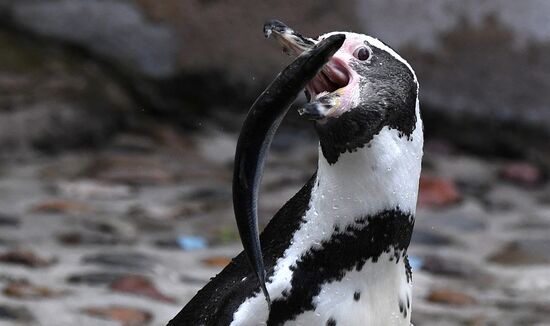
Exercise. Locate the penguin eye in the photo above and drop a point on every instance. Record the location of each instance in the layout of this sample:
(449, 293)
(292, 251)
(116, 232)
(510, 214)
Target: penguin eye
(362, 53)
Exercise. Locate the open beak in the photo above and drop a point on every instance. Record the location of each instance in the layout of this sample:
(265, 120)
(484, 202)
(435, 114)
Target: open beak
(326, 91)
(259, 128)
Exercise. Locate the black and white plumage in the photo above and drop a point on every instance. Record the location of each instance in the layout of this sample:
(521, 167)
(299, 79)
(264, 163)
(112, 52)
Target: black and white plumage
(335, 254)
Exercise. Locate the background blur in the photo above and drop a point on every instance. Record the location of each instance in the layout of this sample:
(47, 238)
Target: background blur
(119, 118)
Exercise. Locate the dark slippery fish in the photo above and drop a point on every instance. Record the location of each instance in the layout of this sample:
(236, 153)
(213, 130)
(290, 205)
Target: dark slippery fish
(255, 138)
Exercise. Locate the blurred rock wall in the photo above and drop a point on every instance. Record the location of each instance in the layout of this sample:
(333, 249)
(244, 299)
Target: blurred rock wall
(118, 30)
(51, 99)
(480, 61)
(477, 61)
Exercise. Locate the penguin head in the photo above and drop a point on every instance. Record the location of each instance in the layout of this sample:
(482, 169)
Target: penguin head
(365, 87)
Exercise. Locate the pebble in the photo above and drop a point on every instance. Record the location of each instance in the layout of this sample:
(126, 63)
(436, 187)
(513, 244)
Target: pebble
(25, 258)
(123, 230)
(194, 280)
(437, 192)
(60, 206)
(127, 316)
(533, 223)
(216, 261)
(95, 278)
(139, 285)
(9, 221)
(187, 243)
(90, 189)
(210, 194)
(471, 173)
(508, 197)
(17, 314)
(137, 171)
(447, 266)
(521, 173)
(145, 220)
(218, 148)
(459, 220)
(424, 237)
(523, 252)
(450, 297)
(87, 238)
(134, 143)
(129, 260)
(26, 290)
(191, 242)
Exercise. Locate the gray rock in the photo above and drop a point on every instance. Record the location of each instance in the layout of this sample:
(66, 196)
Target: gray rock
(472, 174)
(90, 189)
(75, 125)
(424, 237)
(15, 314)
(131, 170)
(465, 52)
(133, 143)
(467, 217)
(73, 238)
(531, 223)
(8, 221)
(114, 29)
(523, 252)
(427, 24)
(95, 278)
(125, 260)
(504, 197)
(450, 267)
(53, 99)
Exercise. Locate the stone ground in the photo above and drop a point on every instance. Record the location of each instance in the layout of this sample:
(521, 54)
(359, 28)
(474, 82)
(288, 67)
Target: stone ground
(127, 234)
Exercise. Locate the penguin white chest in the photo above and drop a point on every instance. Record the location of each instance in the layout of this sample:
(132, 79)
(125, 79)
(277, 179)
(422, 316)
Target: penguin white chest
(379, 294)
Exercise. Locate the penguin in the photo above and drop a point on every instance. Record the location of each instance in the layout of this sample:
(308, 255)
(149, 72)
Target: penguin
(336, 252)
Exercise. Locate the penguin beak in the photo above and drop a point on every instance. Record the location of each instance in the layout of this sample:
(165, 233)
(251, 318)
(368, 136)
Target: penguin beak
(326, 92)
(258, 130)
(291, 41)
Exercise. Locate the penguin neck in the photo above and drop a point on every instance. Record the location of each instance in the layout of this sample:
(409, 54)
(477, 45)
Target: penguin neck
(380, 176)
